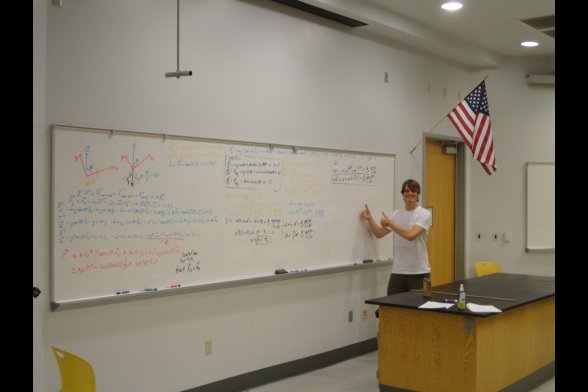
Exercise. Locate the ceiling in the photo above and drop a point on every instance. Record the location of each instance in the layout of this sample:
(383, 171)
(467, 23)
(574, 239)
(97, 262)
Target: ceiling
(477, 36)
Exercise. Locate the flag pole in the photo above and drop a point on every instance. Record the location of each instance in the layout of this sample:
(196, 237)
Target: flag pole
(426, 133)
(439, 122)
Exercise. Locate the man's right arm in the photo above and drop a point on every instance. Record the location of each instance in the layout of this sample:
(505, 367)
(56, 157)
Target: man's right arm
(379, 231)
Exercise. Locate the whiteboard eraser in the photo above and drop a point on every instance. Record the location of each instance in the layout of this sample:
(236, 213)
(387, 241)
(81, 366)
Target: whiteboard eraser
(368, 261)
(281, 271)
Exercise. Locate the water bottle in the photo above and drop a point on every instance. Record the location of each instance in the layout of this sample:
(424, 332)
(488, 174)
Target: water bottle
(461, 298)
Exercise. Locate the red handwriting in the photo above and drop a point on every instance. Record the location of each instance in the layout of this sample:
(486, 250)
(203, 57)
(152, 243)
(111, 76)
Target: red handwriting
(117, 258)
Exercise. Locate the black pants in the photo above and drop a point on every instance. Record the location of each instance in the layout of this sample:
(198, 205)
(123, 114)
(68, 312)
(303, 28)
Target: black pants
(399, 283)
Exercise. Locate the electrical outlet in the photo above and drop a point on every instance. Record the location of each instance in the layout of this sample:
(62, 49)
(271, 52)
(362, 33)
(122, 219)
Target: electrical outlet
(364, 314)
(208, 347)
(350, 316)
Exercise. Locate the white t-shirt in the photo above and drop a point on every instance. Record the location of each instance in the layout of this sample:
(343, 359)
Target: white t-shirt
(411, 257)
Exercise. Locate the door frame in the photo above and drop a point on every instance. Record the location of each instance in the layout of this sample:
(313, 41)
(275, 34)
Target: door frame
(460, 159)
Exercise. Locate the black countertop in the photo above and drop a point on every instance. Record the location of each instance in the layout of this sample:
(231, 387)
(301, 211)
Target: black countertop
(504, 291)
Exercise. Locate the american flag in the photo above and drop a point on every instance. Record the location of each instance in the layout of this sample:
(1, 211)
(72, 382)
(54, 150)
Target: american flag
(471, 118)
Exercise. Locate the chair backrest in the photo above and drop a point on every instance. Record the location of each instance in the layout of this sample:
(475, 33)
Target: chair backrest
(77, 375)
(487, 267)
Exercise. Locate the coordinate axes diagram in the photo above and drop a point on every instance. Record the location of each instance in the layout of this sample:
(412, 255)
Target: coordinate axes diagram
(91, 172)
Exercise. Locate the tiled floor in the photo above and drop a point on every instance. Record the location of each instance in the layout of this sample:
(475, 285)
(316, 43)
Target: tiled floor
(354, 375)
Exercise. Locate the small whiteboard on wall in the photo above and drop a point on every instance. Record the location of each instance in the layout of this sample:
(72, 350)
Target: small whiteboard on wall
(540, 207)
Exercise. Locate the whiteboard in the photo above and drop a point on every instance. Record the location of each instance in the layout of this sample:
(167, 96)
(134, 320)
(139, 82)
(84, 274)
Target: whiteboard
(136, 211)
(540, 207)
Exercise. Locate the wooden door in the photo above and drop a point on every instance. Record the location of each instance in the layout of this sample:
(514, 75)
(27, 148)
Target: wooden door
(439, 184)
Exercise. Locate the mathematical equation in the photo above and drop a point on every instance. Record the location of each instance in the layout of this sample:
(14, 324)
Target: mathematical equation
(265, 231)
(353, 174)
(253, 172)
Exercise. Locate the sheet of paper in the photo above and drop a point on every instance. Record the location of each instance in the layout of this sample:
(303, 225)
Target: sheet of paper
(436, 305)
(482, 308)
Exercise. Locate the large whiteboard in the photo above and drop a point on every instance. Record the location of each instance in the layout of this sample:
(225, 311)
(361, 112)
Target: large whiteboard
(540, 207)
(133, 211)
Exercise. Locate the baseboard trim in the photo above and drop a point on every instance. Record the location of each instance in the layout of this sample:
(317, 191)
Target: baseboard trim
(288, 369)
(525, 384)
(533, 380)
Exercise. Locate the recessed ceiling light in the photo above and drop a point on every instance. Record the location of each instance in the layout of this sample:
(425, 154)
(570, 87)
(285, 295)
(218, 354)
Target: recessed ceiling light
(451, 6)
(529, 44)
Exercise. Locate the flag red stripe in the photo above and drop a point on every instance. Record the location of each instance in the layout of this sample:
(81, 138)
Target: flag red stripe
(462, 118)
(480, 143)
(462, 132)
(485, 167)
(487, 148)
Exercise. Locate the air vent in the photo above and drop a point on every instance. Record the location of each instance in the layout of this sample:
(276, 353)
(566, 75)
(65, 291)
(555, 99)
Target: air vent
(545, 24)
(311, 9)
(541, 78)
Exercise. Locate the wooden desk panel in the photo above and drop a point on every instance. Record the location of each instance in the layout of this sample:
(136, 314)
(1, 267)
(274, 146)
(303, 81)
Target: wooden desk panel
(514, 344)
(424, 350)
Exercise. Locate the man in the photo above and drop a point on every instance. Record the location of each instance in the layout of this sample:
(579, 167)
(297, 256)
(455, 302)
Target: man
(411, 229)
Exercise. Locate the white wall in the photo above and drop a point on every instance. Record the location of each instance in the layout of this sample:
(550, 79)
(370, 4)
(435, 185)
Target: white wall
(261, 73)
(523, 126)
(523, 123)
(41, 147)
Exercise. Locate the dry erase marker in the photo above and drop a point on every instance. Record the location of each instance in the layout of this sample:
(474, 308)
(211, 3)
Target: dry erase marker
(119, 292)
(150, 289)
(173, 286)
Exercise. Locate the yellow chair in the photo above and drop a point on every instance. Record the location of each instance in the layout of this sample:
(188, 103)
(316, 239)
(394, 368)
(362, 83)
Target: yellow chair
(487, 267)
(77, 374)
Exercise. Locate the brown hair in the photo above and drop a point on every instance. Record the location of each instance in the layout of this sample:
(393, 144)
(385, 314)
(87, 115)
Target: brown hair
(411, 184)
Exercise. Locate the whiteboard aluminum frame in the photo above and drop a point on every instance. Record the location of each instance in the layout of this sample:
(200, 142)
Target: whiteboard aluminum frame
(140, 295)
(168, 136)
